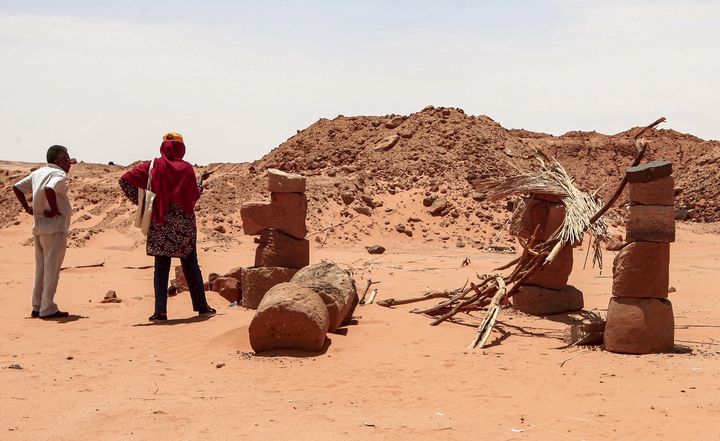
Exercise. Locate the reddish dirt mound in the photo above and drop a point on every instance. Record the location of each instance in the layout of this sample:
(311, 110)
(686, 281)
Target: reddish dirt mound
(405, 176)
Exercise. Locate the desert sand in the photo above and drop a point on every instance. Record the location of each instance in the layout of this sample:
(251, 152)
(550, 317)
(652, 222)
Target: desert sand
(107, 373)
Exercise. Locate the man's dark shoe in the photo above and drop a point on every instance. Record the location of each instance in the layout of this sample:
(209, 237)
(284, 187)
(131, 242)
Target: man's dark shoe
(58, 314)
(158, 317)
(35, 314)
(209, 312)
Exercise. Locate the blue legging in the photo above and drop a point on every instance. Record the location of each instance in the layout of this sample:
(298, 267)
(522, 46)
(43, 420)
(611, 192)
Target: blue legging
(191, 269)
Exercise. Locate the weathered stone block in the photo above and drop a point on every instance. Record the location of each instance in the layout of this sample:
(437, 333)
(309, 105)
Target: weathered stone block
(547, 214)
(639, 326)
(542, 301)
(257, 281)
(642, 269)
(285, 212)
(650, 223)
(290, 316)
(658, 192)
(227, 287)
(556, 274)
(335, 286)
(180, 282)
(235, 273)
(279, 249)
(547, 197)
(585, 333)
(649, 171)
(282, 182)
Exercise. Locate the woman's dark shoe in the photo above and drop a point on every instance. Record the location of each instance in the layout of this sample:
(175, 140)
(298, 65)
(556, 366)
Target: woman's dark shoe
(158, 317)
(209, 312)
(58, 314)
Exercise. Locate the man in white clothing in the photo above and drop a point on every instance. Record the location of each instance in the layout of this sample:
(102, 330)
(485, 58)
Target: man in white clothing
(52, 210)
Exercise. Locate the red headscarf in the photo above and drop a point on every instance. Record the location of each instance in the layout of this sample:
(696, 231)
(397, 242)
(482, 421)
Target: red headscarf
(173, 180)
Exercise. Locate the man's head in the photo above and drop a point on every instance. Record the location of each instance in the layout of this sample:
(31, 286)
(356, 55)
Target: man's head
(59, 156)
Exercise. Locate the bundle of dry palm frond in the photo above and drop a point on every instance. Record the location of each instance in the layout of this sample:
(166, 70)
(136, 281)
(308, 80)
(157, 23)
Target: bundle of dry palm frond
(550, 178)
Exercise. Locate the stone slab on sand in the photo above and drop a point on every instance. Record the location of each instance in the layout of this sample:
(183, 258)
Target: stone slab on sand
(542, 301)
(227, 287)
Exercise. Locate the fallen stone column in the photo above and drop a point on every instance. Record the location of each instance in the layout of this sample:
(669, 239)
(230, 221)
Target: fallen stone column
(335, 286)
(290, 316)
(256, 282)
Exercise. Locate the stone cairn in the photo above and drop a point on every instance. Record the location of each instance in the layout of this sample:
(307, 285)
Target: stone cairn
(640, 317)
(297, 304)
(546, 291)
(282, 248)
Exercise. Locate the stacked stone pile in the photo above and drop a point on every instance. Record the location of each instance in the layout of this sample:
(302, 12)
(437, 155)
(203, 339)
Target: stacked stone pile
(546, 291)
(640, 317)
(298, 314)
(282, 248)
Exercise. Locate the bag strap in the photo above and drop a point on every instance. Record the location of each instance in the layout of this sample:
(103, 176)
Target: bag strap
(149, 182)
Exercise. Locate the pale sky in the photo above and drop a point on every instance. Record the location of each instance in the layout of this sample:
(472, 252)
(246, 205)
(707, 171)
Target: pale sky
(237, 78)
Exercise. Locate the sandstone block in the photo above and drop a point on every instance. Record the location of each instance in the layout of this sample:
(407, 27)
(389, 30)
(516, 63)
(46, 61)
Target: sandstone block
(235, 273)
(386, 143)
(289, 317)
(335, 286)
(227, 287)
(285, 212)
(542, 301)
(658, 192)
(639, 326)
(438, 206)
(180, 282)
(279, 249)
(555, 275)
(584, 333)
(547, 197)
(548, 215)
(642, 269)
(282, 182)
(651, 223)
(649, 171)
(257, 281)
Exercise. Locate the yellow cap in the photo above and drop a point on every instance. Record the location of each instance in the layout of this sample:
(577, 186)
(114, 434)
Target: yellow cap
(172, 136)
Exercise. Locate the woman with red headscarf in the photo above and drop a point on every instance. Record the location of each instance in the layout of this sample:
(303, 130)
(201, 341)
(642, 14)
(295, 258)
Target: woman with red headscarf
(173, 232)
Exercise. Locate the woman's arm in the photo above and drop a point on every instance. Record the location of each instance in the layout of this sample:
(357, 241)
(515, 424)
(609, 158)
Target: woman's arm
(131, 191)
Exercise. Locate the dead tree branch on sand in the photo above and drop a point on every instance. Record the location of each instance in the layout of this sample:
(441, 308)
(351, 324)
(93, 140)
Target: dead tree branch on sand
(494, 290)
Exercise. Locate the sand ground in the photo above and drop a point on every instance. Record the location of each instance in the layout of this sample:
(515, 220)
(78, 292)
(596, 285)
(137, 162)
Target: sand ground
(108, 374)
